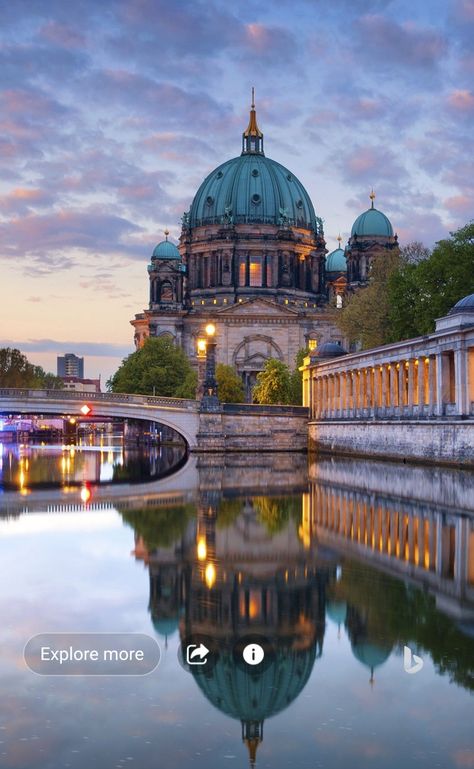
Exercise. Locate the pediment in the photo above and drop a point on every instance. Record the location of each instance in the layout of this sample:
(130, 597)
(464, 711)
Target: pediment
(262, 307)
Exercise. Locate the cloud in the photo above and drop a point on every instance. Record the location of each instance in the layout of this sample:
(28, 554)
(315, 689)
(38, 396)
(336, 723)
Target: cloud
(48, 235)
(406, 45)
(461, 101)
(370, 166)
(22, 200)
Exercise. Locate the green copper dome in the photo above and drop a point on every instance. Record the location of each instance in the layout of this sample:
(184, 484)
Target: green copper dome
(372, 223)
(166, 250)
(336, 261)
(254, 697)
(252, 189)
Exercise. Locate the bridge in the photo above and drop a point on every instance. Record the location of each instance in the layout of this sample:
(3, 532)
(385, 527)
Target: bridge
(232, 427)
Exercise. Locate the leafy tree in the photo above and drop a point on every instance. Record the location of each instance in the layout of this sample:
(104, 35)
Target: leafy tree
(426, 291)
(365, 320)
(273, 383)
(229, 384)
(296, 378)
(158, 367)
(17, 371)
(159, 526)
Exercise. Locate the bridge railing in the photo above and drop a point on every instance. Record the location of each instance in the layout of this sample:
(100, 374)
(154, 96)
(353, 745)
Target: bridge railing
(88, 397)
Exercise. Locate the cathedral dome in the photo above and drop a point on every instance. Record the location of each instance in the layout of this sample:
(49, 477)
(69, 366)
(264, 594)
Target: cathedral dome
(372, 223)
(166, 250)
(336, 261)
(254, 697)
(252, 188)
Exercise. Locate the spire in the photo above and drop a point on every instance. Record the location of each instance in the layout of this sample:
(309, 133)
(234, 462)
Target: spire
(372, 197)
(252, 735)
(166, 233)
(339, 239)
(252, 137)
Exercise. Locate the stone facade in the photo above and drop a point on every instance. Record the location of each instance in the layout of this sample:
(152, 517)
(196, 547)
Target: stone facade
(252, 259)
(403, 399)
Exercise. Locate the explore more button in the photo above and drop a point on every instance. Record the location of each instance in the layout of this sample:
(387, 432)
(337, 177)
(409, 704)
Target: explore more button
(92, 654)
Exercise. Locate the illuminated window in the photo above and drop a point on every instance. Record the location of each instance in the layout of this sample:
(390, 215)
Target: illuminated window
(255, 272)
(312, 344)
(338, 301)
(242, 272)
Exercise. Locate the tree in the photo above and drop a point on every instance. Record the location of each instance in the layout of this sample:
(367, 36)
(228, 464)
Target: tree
(273, 383)
(425, 291)
(229, 384)
(414, 252)
(17, 371)
(296, 378)
(365, 319)
(158, 367)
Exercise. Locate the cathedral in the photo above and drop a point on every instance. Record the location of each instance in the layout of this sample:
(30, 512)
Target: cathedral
(252, 260)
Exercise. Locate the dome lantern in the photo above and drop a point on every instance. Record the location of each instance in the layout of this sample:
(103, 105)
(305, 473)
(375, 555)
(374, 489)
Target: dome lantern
(252, 137)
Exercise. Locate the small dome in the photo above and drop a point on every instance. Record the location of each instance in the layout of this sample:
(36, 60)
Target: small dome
(372, 223)
(165, 626)
(371, 654)
(166, 250)
(330, 350)
(337, 611)
(336, 261)
(464, 305)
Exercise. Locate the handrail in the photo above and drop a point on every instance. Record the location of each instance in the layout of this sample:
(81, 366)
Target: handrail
(86, 397)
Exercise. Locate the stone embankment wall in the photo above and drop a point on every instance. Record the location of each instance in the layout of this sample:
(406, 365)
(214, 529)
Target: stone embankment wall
(254, 428)
(440, 441)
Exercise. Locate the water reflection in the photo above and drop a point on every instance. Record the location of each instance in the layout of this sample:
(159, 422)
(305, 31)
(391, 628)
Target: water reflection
(279, 567)
(338, 568)
(97, 461)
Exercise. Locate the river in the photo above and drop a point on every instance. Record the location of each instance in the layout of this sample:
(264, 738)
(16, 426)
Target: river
(334, 567)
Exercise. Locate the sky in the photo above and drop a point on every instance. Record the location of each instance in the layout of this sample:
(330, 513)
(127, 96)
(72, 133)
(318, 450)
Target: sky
(113, 112)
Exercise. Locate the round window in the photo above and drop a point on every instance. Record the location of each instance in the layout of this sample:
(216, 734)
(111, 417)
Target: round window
(256, 199)
(209, 200)
(254, 172)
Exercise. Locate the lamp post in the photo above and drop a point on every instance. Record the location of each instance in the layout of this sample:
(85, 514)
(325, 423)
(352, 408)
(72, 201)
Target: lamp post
(210, 400)
(201, 361)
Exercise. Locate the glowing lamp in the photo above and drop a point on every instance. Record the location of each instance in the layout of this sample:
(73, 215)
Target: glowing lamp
(85, 409)
(201, 346)
(85, 494)
(210, 329)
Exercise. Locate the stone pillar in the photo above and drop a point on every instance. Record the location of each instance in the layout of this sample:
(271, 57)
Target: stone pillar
(324, 399)
(439, 385)
(363, 389)
(432, 385)
(377, 392)
(393, 388)
(421, 385)
(385, 387)
(401, 385)
(463, 405)
(370, 392)
(411, 385)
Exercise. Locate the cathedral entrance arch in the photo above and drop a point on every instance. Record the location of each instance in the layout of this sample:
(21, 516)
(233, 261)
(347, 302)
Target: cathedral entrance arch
(250, 357)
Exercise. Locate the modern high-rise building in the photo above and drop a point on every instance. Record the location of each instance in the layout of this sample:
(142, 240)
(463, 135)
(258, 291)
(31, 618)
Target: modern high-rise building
(70, 365)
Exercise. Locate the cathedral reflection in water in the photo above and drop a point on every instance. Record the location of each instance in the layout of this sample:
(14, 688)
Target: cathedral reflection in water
(279, 567)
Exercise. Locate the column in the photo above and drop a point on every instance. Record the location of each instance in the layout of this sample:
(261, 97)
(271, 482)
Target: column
(377, 394)
(461, 382)
(421, 384)
(385, 387)
(393, 388)
(432, 385)
(343, 392)
(439, 385)
(401, 385)
(411, 385)
(370, 392)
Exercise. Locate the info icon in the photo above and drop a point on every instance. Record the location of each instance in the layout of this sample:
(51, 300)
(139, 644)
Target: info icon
(253, 653)
(198, 653)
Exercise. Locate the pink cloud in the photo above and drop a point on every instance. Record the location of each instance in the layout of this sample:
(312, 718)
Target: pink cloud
(460, 204)
(461, 101)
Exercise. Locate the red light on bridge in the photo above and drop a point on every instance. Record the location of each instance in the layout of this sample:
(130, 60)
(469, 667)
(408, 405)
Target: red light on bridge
(85, 409)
